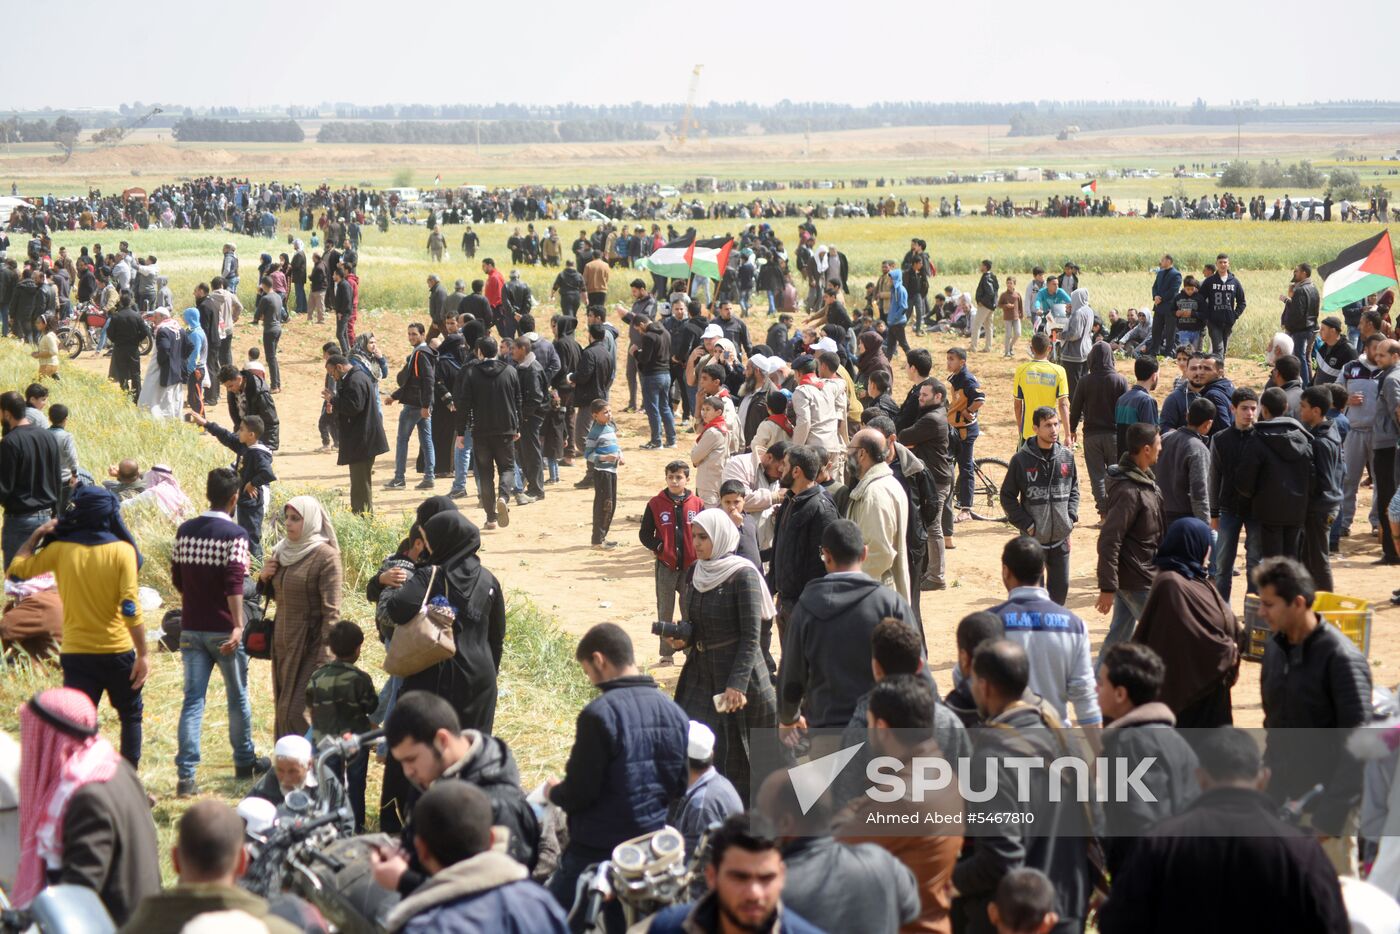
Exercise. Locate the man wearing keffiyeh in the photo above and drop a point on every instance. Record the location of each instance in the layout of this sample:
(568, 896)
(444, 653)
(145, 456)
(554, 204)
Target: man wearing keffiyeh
(84, 817)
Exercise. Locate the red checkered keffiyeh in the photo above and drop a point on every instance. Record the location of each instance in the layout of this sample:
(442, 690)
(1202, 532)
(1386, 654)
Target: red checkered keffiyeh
(54, 763)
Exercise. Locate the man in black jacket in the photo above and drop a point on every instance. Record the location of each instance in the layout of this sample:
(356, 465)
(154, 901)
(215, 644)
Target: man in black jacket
(798, 525)
(416, 392)
(1230, 513)
(477, 306)
(343, 303)
(592, 380)
(534, 401)
(1188, 872)
(826, 649)
(488, 406)
(425, 735)
(209, 322)
(1300, 307)
(654, 369)
(1275, 474)
(1222, 298)
(361, 429)
(929, 439)
(568, 285)
(1020, 813)
(1316, 688)
(125, 332)
(249, 395)
(1325, 493)
(30, 477)
(437, 305)
(988, 290)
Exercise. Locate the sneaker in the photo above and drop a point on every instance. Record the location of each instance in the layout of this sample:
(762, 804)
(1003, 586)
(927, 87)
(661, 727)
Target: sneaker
(605, 546)
(395, 484)
(668, 445)
(458, 492)
(503, 512)
(932, 585)
(490, 525)
(186, 788)
(426, 483)
(523, 499)
(260, 765)
(651, 446)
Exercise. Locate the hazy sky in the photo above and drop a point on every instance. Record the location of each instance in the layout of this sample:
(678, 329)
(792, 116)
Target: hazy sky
(251, 52)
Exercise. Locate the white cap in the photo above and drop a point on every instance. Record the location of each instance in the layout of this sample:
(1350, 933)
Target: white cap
(293, 747)
(826, 344)
(760, 362)
(701, 743)
(258, 813)
(712, 331)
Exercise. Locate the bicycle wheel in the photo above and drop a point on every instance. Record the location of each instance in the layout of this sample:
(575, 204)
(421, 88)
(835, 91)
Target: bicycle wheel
(146, 345)
(988, 474)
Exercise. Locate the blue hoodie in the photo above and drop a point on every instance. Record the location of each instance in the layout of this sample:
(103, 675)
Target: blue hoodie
(195, 342)
(899, 299)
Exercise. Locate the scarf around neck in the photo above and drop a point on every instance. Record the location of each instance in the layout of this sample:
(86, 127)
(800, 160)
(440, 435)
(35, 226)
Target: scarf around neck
(723, 563)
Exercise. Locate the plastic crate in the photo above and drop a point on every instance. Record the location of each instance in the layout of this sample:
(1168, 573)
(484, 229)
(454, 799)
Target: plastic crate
(1351, 615)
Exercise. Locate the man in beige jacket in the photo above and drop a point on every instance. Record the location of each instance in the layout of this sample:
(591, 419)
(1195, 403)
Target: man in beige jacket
(881, 510)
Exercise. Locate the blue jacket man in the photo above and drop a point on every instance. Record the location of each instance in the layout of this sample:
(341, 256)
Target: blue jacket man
(1164, 289)
(628, 762)
(898, 312)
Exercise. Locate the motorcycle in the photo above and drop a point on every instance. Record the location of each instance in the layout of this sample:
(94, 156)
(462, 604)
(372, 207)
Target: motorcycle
(645, 874)
(58, 909)
(310, 849)
(80, 332)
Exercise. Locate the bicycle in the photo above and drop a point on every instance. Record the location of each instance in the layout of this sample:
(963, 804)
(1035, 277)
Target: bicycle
(987, 476)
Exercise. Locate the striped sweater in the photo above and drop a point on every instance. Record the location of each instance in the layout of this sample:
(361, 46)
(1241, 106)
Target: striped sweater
(602, 441)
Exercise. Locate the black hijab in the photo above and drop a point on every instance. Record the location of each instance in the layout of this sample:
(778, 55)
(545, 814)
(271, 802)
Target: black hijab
(430, 507)
(454, 541)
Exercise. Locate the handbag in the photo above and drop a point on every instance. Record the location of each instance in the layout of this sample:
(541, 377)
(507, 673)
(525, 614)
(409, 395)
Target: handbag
(257, 628)
(424, 641)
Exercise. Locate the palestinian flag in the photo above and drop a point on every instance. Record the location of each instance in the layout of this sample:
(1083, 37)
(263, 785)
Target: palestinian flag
(671, 261)
(1359, 270)
(709, 257)
(1090, 187)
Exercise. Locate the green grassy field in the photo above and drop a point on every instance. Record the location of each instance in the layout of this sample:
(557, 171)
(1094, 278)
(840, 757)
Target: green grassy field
(1118, 255)
(541, 687)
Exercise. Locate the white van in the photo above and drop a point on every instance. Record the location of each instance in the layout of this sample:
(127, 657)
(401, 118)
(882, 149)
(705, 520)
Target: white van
(406, 195)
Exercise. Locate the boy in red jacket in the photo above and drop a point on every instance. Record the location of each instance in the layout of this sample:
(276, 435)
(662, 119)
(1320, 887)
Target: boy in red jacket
(666, 532)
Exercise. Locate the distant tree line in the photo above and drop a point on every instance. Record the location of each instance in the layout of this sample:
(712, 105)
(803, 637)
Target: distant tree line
(62, 129)
(462, 133)
(205, 130)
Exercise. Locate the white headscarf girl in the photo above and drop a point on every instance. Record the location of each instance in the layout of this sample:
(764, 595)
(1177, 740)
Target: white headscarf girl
(723, 563)
(316, 530)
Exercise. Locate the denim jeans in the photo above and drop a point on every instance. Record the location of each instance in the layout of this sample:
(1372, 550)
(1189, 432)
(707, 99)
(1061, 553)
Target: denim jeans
(16, 531)
(1302, 349)
(301, 297)
(1227, 543)
(1354, 335)
(656, 399)
(1127, 610)
(231, 283)
(95, 675)
(461, 462)
(963, 455)
(410, 417)
(200, 653)
(1219, 339)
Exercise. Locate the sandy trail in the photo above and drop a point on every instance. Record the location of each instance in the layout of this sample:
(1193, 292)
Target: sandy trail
(545, 554)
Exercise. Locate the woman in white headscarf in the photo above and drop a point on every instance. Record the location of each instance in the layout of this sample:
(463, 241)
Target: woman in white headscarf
(725, 602)
(303, 575)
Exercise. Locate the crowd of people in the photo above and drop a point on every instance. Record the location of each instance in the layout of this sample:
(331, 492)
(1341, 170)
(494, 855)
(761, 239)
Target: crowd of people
(792, 543)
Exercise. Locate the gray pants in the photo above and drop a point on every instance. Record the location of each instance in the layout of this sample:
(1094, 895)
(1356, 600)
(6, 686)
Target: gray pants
(669, 588)
(1100, 453)
(1356, 453)
(937, 564)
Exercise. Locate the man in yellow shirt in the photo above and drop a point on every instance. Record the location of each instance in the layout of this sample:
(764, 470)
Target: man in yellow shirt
(94, 561)
(1037, 383)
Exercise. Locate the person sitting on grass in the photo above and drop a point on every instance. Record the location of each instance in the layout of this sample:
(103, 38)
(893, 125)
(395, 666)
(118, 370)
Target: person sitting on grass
(341, 697)
(254, 466)
(126, 479)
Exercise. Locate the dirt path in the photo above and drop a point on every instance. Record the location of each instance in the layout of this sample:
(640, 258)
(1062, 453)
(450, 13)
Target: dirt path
(545, 552)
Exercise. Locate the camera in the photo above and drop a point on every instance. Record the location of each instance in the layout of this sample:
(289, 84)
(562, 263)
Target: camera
(681, 630)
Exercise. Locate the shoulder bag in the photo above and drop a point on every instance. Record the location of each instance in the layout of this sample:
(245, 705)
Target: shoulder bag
(422, 642)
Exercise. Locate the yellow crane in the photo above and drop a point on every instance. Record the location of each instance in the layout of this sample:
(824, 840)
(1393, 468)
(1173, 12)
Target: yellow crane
(687, 120)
